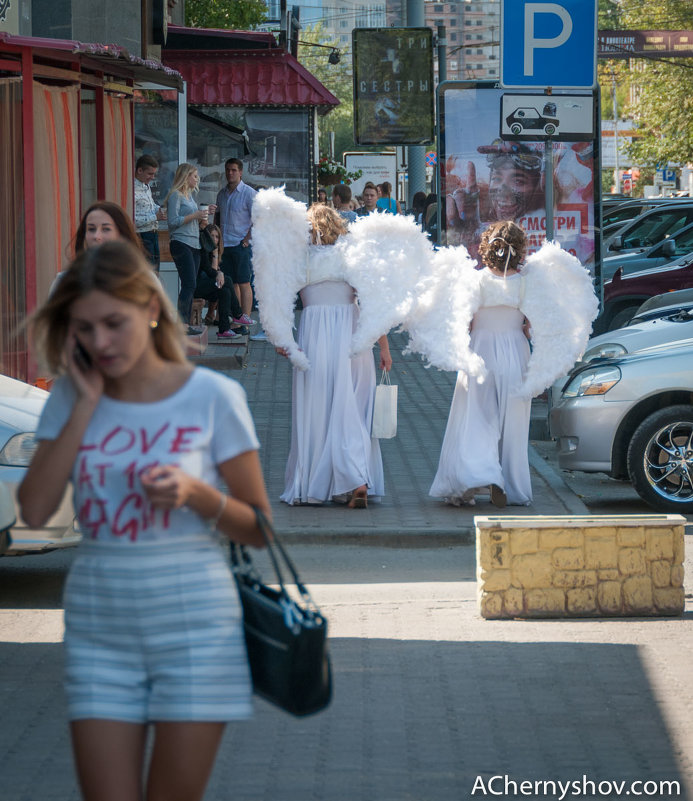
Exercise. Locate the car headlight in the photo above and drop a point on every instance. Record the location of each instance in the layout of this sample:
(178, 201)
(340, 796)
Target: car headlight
(592, 382)
(19, 450)
(606, 351)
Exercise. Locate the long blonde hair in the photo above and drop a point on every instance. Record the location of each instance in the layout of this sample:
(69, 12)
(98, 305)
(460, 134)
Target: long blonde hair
(327, 224)
(180, 180)
(117, 269)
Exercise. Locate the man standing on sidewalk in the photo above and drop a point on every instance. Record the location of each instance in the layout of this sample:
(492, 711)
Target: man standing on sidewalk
(370, 200)
(234, 205)
(341, 200)
(147, 212)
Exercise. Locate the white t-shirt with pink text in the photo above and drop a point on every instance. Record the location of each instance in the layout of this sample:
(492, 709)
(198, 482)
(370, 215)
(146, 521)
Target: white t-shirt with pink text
(203, 424)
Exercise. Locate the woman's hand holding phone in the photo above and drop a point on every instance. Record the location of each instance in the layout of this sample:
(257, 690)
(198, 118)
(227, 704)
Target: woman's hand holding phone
(87, 379)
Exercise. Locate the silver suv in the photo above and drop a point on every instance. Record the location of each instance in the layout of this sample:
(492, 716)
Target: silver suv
(631, 417)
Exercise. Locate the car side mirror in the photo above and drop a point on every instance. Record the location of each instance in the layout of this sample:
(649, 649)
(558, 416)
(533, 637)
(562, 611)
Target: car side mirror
(616, 242)
(669, 247)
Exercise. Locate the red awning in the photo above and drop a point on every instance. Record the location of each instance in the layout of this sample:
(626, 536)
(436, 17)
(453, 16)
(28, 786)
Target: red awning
(248, 78)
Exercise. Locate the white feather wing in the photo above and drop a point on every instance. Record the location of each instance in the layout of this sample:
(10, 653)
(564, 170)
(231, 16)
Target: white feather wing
(447, 297)
(280, 250)
(385, 256)
(560, 304)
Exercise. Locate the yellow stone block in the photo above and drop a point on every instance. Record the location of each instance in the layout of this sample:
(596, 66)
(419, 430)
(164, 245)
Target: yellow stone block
(494, 551)
(568, 558)
(660, 544)
(601, 552)
(581, 601)
(637, 594)
(670, 600)
(494, 580)
(661, 573)
(574, 578)
(532, 570)
(513, 602)
(539, 603)
(561, 538)
(491, 604)
(609, 597)
(609, 574)
(524, 540)
(679, 554)
(631, 537)
(677, 576)
(631, 561)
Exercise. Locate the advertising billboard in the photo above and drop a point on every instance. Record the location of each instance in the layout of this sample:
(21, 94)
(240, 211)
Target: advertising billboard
(375, 167)
(485, 179)
(393, 86)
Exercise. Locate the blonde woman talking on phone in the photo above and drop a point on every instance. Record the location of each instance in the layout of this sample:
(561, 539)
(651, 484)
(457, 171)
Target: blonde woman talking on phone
(153, 631)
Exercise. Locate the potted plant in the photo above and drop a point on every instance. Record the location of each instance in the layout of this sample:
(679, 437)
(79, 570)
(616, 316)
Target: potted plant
(333, 172)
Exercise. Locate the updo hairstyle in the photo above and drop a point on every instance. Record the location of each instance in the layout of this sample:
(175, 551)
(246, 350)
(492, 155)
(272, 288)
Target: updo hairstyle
(326, 222)
(495, 241)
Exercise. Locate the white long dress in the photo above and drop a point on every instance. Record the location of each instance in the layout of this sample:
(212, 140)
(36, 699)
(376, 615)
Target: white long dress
(486, 437)
(332, 452)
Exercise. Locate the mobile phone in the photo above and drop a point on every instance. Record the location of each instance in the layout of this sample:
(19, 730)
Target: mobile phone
(82, 358)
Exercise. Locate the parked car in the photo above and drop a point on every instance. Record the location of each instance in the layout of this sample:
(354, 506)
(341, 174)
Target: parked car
(665, 251)
(7, 516)
(20, 409)
(631, 417)
(615, 211)
(624, 294)
(661, 305)
(650, 228)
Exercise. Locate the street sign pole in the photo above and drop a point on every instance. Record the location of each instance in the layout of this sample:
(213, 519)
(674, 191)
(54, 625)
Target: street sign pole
(548, 177)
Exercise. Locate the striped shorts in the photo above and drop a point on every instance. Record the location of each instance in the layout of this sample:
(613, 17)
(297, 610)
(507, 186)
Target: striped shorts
(153, 632)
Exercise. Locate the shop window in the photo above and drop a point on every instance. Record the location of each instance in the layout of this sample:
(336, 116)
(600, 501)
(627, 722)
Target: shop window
(278, 143)
(156, 133)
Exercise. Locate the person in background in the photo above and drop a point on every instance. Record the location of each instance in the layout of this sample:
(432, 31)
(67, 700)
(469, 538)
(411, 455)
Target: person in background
(418, 204)
(322, 196)
(184, 219)
(147, 212)
(153, 624)
(211, 287)
(341, 200)
(104, 221)
(234, 204)
(386, 202)
(370, 201)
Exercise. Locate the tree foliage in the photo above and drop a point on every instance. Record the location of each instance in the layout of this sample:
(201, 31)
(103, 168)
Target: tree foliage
(238, 15)
(661, 97)
(335, 77)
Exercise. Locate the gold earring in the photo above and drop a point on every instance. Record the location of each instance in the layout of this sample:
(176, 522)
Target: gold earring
(153, 324)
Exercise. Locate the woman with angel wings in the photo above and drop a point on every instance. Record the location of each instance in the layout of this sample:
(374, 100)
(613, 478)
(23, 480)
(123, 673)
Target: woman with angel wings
(355, 285)
(481, 322)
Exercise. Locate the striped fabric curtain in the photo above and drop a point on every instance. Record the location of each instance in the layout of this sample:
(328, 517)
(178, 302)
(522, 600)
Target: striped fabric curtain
(118, 145)
(56, 180)
(13, 356)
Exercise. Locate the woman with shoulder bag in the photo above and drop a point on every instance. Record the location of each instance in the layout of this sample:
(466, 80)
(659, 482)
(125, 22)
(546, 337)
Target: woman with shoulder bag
(153, 626)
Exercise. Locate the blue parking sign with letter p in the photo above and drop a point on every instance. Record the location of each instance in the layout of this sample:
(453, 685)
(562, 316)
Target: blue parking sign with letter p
(549, 44)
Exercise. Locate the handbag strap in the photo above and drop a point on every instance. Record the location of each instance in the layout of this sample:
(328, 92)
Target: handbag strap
(385, 378)
(274, 549)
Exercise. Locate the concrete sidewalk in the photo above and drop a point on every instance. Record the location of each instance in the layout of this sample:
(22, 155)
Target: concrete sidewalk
(410, 460)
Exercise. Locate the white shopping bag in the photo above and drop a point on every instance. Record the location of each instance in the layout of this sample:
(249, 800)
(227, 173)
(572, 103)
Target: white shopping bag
(385, 409)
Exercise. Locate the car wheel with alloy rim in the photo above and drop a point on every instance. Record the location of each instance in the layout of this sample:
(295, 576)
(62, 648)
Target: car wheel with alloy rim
(660, 459)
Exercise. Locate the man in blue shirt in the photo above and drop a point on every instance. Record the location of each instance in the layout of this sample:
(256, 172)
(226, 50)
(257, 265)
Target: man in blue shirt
(234, 206)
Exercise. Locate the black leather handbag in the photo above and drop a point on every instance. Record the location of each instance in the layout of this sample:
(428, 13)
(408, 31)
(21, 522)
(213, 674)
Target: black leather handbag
(286, 639)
